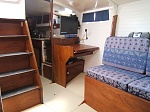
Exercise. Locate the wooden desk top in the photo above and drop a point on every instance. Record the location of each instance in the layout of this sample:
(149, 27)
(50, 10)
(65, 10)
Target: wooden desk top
(79, 48)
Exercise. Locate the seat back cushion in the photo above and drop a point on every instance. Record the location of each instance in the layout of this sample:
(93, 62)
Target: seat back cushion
(148, 64)
(126, 53)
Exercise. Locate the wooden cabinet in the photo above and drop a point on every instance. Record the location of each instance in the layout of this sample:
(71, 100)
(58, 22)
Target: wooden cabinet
(42, 51)
(64, 50)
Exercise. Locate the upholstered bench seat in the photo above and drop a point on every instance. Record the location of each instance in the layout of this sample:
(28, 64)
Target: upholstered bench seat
(126, 65)
(140, 88)
(113, 76)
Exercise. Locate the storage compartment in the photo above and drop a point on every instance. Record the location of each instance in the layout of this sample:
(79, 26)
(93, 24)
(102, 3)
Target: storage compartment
(74, 67)
(47, 70)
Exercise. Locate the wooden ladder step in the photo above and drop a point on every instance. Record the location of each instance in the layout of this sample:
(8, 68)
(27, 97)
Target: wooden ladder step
(14, 36)
(18, 91)
(16, 72)
(15, 54)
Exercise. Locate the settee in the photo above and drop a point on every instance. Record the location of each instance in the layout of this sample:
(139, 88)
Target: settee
(122, 83)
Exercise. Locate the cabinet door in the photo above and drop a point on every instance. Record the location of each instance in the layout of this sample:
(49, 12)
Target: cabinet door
(47, 71)
(74, 69)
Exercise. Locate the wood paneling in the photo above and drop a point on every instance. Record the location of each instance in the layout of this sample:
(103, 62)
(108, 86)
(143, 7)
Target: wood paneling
(105, 98)
(61, 54)
(22, 101)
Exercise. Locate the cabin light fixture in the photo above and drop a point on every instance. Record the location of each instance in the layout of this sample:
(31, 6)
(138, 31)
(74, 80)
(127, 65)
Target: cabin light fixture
(96, 3)
(11, 1)
(67, 11)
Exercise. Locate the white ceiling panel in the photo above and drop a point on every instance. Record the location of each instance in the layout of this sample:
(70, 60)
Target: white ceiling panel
(84, 5)
(38, 7)
(119, 2)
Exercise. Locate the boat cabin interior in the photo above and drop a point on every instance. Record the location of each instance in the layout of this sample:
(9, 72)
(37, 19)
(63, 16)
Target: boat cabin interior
(74, 56)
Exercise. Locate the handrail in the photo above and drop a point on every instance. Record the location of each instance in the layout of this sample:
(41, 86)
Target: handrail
(1, 104)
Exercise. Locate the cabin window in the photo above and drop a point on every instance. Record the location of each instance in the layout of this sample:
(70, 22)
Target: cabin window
(88, 17)
(96, 16)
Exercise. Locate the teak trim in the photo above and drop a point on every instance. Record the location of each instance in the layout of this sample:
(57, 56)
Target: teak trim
(1, 103)
(114, 24)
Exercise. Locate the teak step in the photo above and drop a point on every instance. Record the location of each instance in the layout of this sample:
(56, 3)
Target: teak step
(13, 36)
(22, 78)
(15, 54)
(18, 91)
(14, 61)
(20, 99)
(16, 72)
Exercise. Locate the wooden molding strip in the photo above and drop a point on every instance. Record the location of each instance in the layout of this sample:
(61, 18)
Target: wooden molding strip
(114, 24)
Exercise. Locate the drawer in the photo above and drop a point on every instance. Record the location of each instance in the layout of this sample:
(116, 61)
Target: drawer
(74, 69)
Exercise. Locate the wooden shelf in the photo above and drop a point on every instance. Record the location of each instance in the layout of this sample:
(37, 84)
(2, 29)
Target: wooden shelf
(43, 25)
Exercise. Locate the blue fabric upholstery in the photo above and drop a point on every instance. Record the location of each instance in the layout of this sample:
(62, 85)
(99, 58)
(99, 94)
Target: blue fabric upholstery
(126, 53)
(140, 88)
(148, 64)
(116, 77)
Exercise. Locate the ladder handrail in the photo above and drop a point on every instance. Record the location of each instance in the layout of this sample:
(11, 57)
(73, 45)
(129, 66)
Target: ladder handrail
(1, 104)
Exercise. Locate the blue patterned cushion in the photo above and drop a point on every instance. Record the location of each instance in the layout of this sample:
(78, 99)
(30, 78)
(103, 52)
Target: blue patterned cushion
(126, 53)
(148, 64)
(140, 88)
(116, 77)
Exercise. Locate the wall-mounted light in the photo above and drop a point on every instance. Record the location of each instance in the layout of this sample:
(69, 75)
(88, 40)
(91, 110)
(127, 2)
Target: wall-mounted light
(66, 12)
